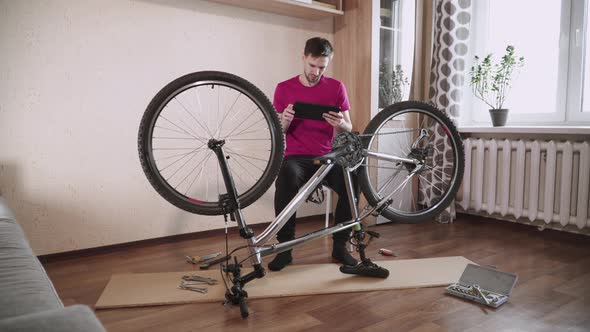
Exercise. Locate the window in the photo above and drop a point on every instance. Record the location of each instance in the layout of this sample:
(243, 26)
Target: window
(396, 47)
(550, 89)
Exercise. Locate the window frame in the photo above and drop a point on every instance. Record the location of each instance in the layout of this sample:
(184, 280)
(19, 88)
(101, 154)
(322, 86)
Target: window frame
(568, 108)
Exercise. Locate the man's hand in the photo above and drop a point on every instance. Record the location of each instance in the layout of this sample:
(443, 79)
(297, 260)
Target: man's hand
(339, 120)
(287, 116)
(334, 118)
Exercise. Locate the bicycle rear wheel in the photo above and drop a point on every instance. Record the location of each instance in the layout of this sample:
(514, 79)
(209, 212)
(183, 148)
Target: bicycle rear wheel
(417, 190)
(182, 118)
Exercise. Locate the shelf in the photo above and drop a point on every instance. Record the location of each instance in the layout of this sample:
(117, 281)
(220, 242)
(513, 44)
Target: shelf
(313, 11)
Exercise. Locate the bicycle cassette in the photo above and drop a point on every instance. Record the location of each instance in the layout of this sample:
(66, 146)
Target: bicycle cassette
(354, 149)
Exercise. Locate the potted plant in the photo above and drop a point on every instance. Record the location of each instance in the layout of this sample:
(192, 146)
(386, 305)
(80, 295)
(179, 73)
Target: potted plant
(490, 82)
(392, 85)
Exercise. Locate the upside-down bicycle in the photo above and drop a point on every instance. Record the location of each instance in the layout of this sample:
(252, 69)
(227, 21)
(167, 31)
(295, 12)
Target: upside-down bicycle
(211, 143)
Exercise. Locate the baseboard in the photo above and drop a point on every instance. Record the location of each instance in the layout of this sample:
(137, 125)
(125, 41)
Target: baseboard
(61, 256)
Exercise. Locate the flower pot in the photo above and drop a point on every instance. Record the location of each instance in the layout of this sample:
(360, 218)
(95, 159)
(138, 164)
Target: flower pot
(499, 116)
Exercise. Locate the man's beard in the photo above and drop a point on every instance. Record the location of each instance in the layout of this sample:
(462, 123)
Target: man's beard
(309, 80)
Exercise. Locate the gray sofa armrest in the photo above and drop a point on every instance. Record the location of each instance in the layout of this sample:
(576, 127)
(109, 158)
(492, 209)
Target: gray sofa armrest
(74, 318)
(24, 284)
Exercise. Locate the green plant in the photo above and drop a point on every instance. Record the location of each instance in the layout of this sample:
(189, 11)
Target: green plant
(491, 82)
(392, 84)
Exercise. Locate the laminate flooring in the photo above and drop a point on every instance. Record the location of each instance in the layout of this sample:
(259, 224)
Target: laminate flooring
(552, 293)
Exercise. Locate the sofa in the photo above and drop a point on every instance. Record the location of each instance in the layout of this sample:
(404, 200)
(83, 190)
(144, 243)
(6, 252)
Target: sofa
(28, 300)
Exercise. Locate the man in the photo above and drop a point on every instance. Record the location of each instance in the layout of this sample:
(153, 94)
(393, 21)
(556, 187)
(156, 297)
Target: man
(307, 139)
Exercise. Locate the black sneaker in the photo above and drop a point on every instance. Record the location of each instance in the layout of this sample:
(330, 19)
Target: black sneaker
(342, 255)
(281, 260)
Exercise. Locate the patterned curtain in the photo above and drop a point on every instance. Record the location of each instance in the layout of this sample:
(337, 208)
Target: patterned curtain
(451, 21)
(450, 46)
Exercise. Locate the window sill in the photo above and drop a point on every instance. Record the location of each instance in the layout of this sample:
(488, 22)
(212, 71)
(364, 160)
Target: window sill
(559, 130)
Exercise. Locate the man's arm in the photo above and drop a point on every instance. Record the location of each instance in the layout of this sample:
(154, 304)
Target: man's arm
(340, 121)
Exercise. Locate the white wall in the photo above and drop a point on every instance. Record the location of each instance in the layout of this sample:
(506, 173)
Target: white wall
(75, 78)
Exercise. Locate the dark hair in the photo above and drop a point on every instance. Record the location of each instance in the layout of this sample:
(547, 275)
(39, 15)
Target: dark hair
(317, 47)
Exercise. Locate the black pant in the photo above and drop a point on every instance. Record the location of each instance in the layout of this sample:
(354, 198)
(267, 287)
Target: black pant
(295, 172)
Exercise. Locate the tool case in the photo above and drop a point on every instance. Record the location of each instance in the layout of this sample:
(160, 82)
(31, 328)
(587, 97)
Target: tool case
(484, 285)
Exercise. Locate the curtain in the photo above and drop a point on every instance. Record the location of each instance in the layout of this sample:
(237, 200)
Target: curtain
(440, 51)
(449, 54)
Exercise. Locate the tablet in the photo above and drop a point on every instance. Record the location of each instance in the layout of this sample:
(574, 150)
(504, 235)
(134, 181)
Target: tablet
(312, 111)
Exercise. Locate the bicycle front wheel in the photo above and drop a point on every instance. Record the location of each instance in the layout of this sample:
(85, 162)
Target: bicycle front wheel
(415, 161)
(182, 118)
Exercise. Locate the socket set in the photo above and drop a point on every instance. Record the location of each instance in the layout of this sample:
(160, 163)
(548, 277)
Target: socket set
(484, 285)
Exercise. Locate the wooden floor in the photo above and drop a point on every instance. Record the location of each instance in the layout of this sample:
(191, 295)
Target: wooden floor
(552, 294)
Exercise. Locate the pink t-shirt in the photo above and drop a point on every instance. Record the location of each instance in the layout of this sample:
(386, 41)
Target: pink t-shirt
(310, 137)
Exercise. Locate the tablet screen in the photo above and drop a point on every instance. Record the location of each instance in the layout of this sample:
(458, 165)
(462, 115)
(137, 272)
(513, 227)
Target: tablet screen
(312, 111)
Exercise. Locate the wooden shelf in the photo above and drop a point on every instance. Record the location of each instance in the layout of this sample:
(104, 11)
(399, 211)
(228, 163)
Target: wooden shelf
(313, 11)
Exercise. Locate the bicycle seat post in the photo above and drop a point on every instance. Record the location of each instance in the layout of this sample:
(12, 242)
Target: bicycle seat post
(230, 201)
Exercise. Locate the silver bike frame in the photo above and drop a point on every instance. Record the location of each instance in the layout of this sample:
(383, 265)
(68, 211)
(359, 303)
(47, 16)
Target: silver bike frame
(257, 244)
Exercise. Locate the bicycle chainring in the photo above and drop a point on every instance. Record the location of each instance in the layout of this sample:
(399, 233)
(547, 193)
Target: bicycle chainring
(354, 146)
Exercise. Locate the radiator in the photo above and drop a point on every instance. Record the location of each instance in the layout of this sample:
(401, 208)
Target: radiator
(546, 182)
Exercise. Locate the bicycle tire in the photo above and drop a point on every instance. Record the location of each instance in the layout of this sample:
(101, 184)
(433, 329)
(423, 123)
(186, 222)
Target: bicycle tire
(368, 180)
(198, 83)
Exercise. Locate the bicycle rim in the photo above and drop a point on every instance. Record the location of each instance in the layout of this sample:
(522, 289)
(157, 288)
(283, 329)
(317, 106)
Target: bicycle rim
(415, 131)
(182, 119)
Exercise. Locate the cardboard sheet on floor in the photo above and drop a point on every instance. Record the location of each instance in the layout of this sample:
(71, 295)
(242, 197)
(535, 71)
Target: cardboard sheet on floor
(146, 289)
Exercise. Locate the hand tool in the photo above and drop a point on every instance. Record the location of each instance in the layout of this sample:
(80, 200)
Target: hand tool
(197, 259)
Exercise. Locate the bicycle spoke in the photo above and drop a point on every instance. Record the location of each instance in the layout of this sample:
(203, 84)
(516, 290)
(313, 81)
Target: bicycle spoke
(182, 129)
(199, 175)
(189, 128)
(249, 157)
(181, 166)
(194, 152)
(251, 150)
(440, 178)
(382, 167)
(241, 123)
(160, 159)
(240, 177)
(179, 138)
(189, 173)
(245, 169)
(261, 170)
(250, 139)
(440, 189)
(176, 131)
(248, 132)
(226, 114)
(426, 180)
(250, 126)
(388, 182)
(163, 149)
(198, 122)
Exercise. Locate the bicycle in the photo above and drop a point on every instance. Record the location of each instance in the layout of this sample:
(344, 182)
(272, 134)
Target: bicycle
(404, 149)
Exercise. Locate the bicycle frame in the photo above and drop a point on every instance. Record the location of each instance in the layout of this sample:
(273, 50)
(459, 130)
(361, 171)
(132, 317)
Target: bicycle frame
(256, 244)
